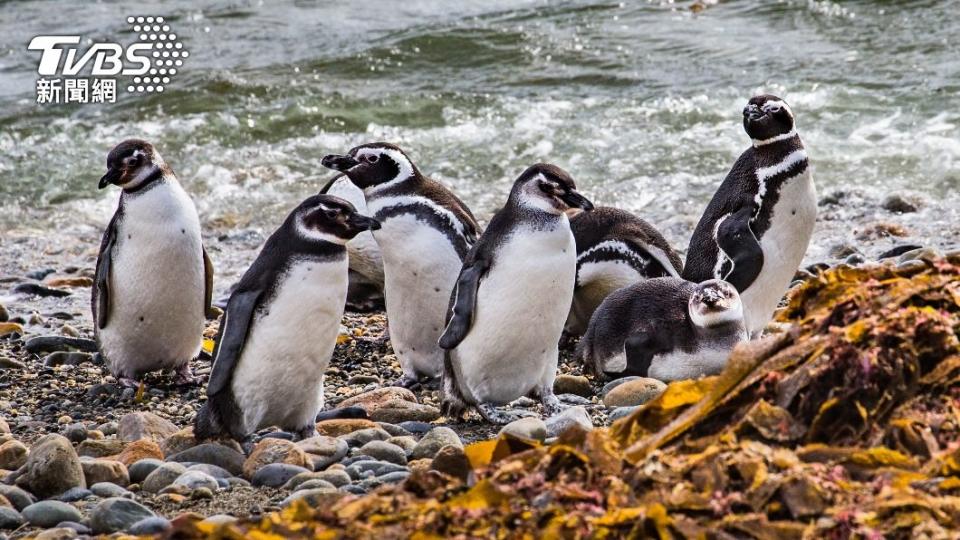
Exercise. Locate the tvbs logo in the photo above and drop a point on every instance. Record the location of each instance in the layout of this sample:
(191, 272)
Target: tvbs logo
(147, 65)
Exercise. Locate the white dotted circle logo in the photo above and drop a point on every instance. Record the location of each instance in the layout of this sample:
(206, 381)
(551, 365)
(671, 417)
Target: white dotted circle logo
(166, 56)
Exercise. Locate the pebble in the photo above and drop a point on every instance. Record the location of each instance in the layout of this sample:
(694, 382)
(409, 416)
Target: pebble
(213, 454)
(363, 436)
(922, 254)
(144, 425)
(75, 433)
(196, 479)
(323, 451)
(393, 429)
(75, 494)
(407, 442)
(375, 399)
(633, 392)
(150, 525)
(78, 528)
(314, 483)
(117, 514)
(47, 514)
(138, 450)
(901, 204)
(393, 477)
(13, 455)
(19, 498)
(573, 416)
(416, 428)
(4, 315)
(219, 519)
(212, 470)
(271, 451)
(162, 477)
(526, 428)
(142, 468)
(178, 442)
(106, 490)
(35, 289)
(276, 474)
(97, 448)
(396, 411)
(340, 427)
(453, 461)
(62, 358)
(572, 384)
(385, 451)
(46, 344)
(897, 251)
(433, 441)
(103, 470)
(342, 413)
(52, 467)
(57, 533)
(621, 412)
(313, 497)
(10, 518)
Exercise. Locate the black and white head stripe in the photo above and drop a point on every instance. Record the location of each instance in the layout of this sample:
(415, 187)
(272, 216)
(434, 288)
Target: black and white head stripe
(329, 219)
(768, 119)
(547, 188)
(374, 167)
(134, 164)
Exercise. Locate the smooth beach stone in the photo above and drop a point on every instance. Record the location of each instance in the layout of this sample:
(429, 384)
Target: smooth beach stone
(526, 428)
(433, 441)
(117, 514)
(10, 518)
(150, 525)
(276, 474)
(573, 416)
(385, 451)
(142, 468)
(47, 514)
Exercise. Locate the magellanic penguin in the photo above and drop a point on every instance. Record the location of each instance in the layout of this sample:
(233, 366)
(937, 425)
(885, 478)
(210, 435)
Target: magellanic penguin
(512, 298)
(154, 280)
(366, 288)
(281, 325)
(615, 249)
(426, 232)
(755, 231)
(666, 328)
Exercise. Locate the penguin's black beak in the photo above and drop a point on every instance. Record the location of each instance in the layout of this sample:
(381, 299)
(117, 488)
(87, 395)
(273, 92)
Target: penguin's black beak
(364, 223)
(576, 200)
(112, 177)
(752, 112)
(339, 163)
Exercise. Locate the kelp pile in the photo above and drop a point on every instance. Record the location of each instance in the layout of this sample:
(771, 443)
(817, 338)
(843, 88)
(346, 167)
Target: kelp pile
(843, 426)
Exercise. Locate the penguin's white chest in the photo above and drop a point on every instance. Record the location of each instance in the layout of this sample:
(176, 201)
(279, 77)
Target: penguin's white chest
(420, 269)
(522, 305)
(784, 244)
(279, 378)
(156, 284)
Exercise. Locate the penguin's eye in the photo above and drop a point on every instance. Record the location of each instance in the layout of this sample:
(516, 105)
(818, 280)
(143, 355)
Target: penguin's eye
(131, 160)
(772, 109)
(372, 158)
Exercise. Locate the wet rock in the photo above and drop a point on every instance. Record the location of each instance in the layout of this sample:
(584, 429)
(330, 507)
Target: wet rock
(75, 494)
(162, 477)
(40, 273)
(342, 413)
(526, 428)
(214, 454)
(106, 490)
(434, 440)
(35, 289)
(384, 451)
(97, 448)
(897, 251)
(901, 204)
(416, 428)
(46, 344)
(150, 525)
(52, 467)
(75, 433)
(363, 436)
(842, 250)
(212, 470)
(4, 315)
(117, 514)
(139, 450)
(47, 514)
(144, 425)
(923, 254)
(102, 470)
(573, 416)
(19, 498)
(178, 442)
(337, 428)
(10, 518)
(634, 392)
(621, 412)
(13, 455)
(275, 474)
(269, 451)
(572, 384)
(453, 461)
(140, 469)
(196, 479)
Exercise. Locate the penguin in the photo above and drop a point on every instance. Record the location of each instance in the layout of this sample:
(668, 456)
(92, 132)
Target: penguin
(615, 248)
(281, 325)
(365, 289)
(426, 232)
(511, 300)
(154, 280)
(667, 328)
(756, 229)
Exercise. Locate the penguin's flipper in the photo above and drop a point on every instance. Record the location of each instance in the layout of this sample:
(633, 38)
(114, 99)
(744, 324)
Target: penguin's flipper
(232, 337)
(738, 242)
(208, 284)
(101, 286)
(464, 303)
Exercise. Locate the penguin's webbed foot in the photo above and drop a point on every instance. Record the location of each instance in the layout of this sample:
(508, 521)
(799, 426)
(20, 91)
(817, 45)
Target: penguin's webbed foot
(409, 382)
(552, 405)
(496, 416)
(185, 376)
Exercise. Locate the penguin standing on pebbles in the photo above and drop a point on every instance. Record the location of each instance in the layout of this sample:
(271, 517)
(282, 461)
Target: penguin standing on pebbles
(511, 300)
(756, 229)
(614, 249)
(281, 325)
(154, 280)
(665, 328)
(426, 232)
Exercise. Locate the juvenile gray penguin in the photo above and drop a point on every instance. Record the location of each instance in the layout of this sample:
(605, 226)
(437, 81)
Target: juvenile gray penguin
(511, 300)
(666, 328)
(615, 249)
(426, 232)
(756, 229)
(281, 325)
(154, 280)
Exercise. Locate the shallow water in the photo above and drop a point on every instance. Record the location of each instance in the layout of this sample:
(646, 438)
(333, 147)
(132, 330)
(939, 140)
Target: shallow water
(640, 101)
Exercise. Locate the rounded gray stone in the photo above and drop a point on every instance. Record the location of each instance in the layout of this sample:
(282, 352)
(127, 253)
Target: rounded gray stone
(117, 514)
(48, 514)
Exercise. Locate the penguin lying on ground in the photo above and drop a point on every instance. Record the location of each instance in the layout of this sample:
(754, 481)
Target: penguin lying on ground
(666, 328)
(426, 232)
(365, 290)
(281, 325)
(756, 229)
(511, 300)
(614, 249)
(154, 280)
